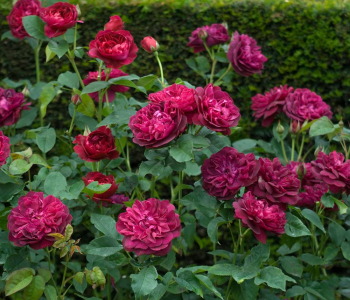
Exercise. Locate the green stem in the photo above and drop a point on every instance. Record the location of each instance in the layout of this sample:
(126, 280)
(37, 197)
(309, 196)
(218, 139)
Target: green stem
(72, 125)
(109, 287)
(208, 50)
(29, 180)
(198, 131)
(75, 69)
(153, 186)
(223, 75)
(160, 67)
(212, 70)
(302, 145)
(37, 61)
(348, 154)
(283, 149)
(64, 273)
(180, 193)
(75, 36)
(293, 147)
(67, 290)
(171, 189)
(93, 167)
(127, 157)
(101, 207)
(308, 152)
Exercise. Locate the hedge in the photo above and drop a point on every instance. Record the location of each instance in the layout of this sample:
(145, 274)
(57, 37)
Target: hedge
(306, 42)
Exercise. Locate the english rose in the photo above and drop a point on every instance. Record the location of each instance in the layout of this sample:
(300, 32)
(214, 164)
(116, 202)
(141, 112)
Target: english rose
(4, 148)
(115, 23)
(102, 179)
(149, 44)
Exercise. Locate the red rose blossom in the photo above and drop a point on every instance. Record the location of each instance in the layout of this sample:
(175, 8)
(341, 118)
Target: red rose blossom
(332, 170)
(216, 109)
(245, 55)
(311, 195)
(4, 148)
(215, 34)
(11, 106)
(115, 23)
(58, 18)
(276, 183)
(102, 179)
(302, 105)
(267, 106)
(99, 144)
(22, 8)
(260, 216)
(228, 170)
(149, 227)
(112, 89)
(34, 218)
(114, 48)
(154, 125)
(149, 44)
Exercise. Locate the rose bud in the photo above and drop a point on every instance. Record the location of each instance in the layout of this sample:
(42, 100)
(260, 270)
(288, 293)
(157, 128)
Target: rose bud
(202, 34)
(4, 148)
(280, 128)
(115, 23)
(99, 144)
(76, 99)
(149, 44)
(294, 127)
(341, 123)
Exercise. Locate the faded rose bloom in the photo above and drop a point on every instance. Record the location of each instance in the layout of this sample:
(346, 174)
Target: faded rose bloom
(276, 183)
(311, 195)
(58, 18)
(149, 44)
(245, 55)
(115, 23)
(214, 34)
(22, 8)
(114, 48)
(112, 89)
(99, 144)
(34, 218)
(149, 227)
(302, 105)
(102, 179)
(216, 110)
(332, 170)
(228, 170)
(260, 216)
(4, 148)
(267, 106)
(11, 106)
(154, 125)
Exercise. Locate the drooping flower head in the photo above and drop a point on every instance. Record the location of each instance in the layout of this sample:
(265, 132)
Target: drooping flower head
(149, 227)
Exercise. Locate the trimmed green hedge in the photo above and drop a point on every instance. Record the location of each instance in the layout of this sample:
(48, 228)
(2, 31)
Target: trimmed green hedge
(307, 44)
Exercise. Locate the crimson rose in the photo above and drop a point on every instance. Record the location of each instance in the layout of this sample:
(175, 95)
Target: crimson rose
(115, 23)
(99, 144)
(149, 44)
(4, 148)
(149, 227)
(34, 218)
(102, 179)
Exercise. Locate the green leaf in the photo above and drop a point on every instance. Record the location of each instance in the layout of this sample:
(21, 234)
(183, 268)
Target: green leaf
(60, 48)
(18, 280)
(295, 226)
(34, 26)
(96, 188)
(222, 270)
(46, 139)
(330, 252)
(47, 94)
(182, 151)
(345, 248)
(189, 281)
(283, 250)
(35, 289)
(49, 53)
(337, 233)
(192, 169)
(291, 265)
(27, 118)
(221, 57)
(213, 228)
(45, 274)
(147, 81)
(19, 166)
(87, 106)
(144, 282)
(209, 285)
(153, 167)
(247, 290)
(342, 206)
(50, 293)
(244, 145)
(54, 183)
(105, 224)
(169, 261)
(273, 277)
(95, 86)
(103, 246)
(312, 260)
(202, 64)
(158, 292)
(119, 118)
(313, 218)
(296, 290)
(321, 127)
(327, 201)
(69, 79)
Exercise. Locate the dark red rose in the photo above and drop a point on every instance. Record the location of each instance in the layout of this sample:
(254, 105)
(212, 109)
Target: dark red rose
(214, 34)
(154, 125)
(112, 89)
(34, 218)
(115, 23)
(58, 18)
(149, 227)
(276, 183)
(260, 216)
(267, 106)
(102, 179)
(99, 144)
(4, 148)
(11, 106)
(216, 109)
(332, 170)
(149, 44)
(227, 171)
(114, 48)
(22, 8)
(245, 55)
(311, 195)
(302, 105)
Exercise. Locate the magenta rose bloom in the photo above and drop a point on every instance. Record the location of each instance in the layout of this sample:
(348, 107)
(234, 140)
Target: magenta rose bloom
(245, 55)
(112, 89)
(102, 179)
(115, 23)
(4, 148)
(267, 106)
(260, 216)
(149, 227)
(332, 170)
(58, 18)
(228, 170)
(22, 8)
(215, 34)
(177, 96)
(11, 106)
(154, 125)
(302, 105)
(311, 195)
(276, 183)
(149, 44)
(99, 144)
(34, 218)
(114, 48)
(216, 109)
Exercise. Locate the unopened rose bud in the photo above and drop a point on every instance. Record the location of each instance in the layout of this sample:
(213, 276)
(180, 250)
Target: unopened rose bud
(26, 92)
(318, 150)
(294, 127)
(225, 24)
(149, 44)
(301, 170)
(202, 34)
(280, 129)
(76, 99)
(341, 123)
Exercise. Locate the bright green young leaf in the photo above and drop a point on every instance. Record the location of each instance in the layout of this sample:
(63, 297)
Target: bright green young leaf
(87, 106)
(295, 226)
(18, 280)
(50, 293)
(341, 205)
(49, 53)
(19, 166)
(35, 289)
(144, 282)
